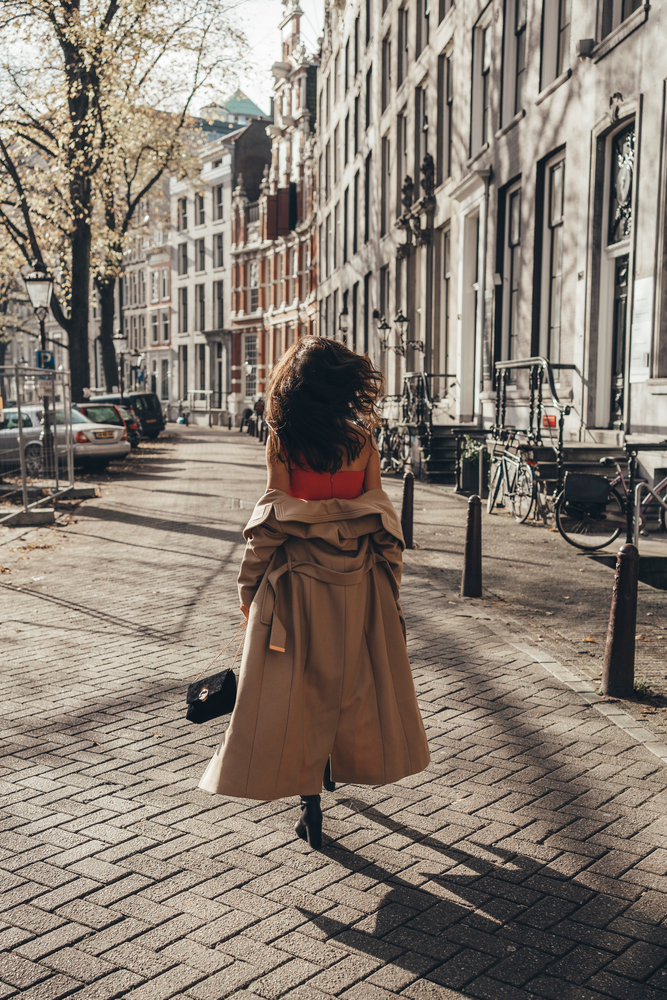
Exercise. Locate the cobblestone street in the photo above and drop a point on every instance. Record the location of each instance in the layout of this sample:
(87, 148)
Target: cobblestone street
(528, 861)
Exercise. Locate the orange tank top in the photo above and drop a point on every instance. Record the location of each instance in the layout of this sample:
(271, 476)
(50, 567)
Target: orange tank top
(308, 485)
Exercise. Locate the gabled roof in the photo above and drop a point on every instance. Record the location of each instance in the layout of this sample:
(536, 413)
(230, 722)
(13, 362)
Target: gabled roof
(240, 104)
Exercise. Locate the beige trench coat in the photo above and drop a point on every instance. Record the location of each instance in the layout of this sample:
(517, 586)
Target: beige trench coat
(325, 670)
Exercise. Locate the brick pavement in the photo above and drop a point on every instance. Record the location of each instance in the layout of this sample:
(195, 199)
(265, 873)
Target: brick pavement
(528, 861)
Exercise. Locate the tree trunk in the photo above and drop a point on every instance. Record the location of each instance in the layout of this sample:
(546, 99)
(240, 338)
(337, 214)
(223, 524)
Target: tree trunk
(106, 291)
(79, 359)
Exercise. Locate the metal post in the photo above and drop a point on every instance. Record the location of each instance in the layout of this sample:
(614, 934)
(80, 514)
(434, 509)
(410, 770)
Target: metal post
(630, 510)
(49, 431)
(483, 485)
(24, 483)
(471, 580)
(618, 672)
(408, 509)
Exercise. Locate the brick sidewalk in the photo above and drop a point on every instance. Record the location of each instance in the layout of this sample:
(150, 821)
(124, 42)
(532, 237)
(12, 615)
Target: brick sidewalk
(529, 860)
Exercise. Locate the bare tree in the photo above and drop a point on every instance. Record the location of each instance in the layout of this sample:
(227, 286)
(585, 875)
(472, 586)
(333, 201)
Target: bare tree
(95, 108)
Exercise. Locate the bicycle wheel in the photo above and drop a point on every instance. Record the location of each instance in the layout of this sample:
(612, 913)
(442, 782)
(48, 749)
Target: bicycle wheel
(496, 488)
(524, 493)
(591, 526)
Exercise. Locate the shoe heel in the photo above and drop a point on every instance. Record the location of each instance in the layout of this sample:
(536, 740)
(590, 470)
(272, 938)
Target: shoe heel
(309, 825)
(314, 834)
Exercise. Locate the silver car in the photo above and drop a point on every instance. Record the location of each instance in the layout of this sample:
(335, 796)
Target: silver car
(9, 438)
(95, 445)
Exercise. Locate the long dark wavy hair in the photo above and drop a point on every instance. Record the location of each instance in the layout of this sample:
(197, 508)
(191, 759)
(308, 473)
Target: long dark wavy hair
(321, 395)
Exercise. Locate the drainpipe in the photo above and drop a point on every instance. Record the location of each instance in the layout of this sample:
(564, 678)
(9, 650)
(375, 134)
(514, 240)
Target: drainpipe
(485, 175)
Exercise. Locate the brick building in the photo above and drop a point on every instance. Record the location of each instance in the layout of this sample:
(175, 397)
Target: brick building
(273, 236)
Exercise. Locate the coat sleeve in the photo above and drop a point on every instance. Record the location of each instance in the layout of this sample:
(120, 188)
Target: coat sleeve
(390, 549)
(262, 540)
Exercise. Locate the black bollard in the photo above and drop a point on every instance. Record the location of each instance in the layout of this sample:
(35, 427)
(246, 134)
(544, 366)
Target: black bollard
(229, 423)
(618, 672)
(471, 580)
(408, 509)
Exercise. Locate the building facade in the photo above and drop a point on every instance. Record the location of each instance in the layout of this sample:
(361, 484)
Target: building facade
(491, 172)
(274, 244)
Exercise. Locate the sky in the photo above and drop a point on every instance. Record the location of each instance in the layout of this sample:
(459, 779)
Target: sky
(259, 20)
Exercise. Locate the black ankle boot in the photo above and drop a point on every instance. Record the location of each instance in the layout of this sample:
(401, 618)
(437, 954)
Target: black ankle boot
(329, 785)
(309, 826)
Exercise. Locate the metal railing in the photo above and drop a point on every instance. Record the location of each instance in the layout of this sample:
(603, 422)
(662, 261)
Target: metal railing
(538, 368)
(418, 403)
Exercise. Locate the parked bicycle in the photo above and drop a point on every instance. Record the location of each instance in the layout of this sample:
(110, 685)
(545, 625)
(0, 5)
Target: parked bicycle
(394, 447)
(592, 511)
(511, 480)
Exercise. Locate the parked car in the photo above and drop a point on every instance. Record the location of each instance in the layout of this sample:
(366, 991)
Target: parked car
(145, 405)
(108, 413)
(95, 445)
(10, 456)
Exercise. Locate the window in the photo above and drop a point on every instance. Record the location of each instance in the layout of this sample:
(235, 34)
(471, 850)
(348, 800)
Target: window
(330, 236)
(250, 364)
(480, 130)
(551, 292)
(142, 287)
(164, 379)
(622, 169)
(384, 186)
(154, 328)
(336, 73)
(512, 274)
(369, 81)
(219, 254)
(355, 146)
(201, 351)
(183, 366)
(356, 45)
(446, 294)
(217, 194)
(165, 326)
(367, 308)
(219, 305)
(367, 199)
(336, 231)
(335, 155)
(346, 139)
(141, 336)
(422, 36)
(164, 283)
(347, 65)
(182, 310)
(421, 132)
(368, 21)
(355, 313)
(201, 307)
(444, 6)
(514, 59)
(445, 108)
(155, 286)
(346, 215)
(355, 214)
(199, 209)
(183, 258)
(614, 12)
(386, 72)
(402, 67)
(200, 255)
(556, 17)
(182, 214)
(254, 286)
(327, 171)
(401, 158)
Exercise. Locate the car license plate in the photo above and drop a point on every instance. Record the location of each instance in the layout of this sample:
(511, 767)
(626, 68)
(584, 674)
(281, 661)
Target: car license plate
(103, 434)
(151, 420)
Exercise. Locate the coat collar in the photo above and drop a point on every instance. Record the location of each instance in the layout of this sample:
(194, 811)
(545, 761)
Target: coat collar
(287, 508)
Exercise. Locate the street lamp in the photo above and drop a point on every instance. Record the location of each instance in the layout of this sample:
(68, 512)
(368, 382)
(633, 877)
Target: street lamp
(120, 343)
(39, 285)
(383, 333)
(401, 322)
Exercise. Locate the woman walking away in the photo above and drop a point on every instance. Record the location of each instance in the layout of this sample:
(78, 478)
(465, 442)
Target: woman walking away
(325, 680)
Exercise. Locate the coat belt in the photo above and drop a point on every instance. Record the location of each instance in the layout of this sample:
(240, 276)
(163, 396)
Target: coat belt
(268, 616)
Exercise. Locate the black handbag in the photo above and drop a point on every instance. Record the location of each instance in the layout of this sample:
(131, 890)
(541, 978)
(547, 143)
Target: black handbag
(214, 695)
